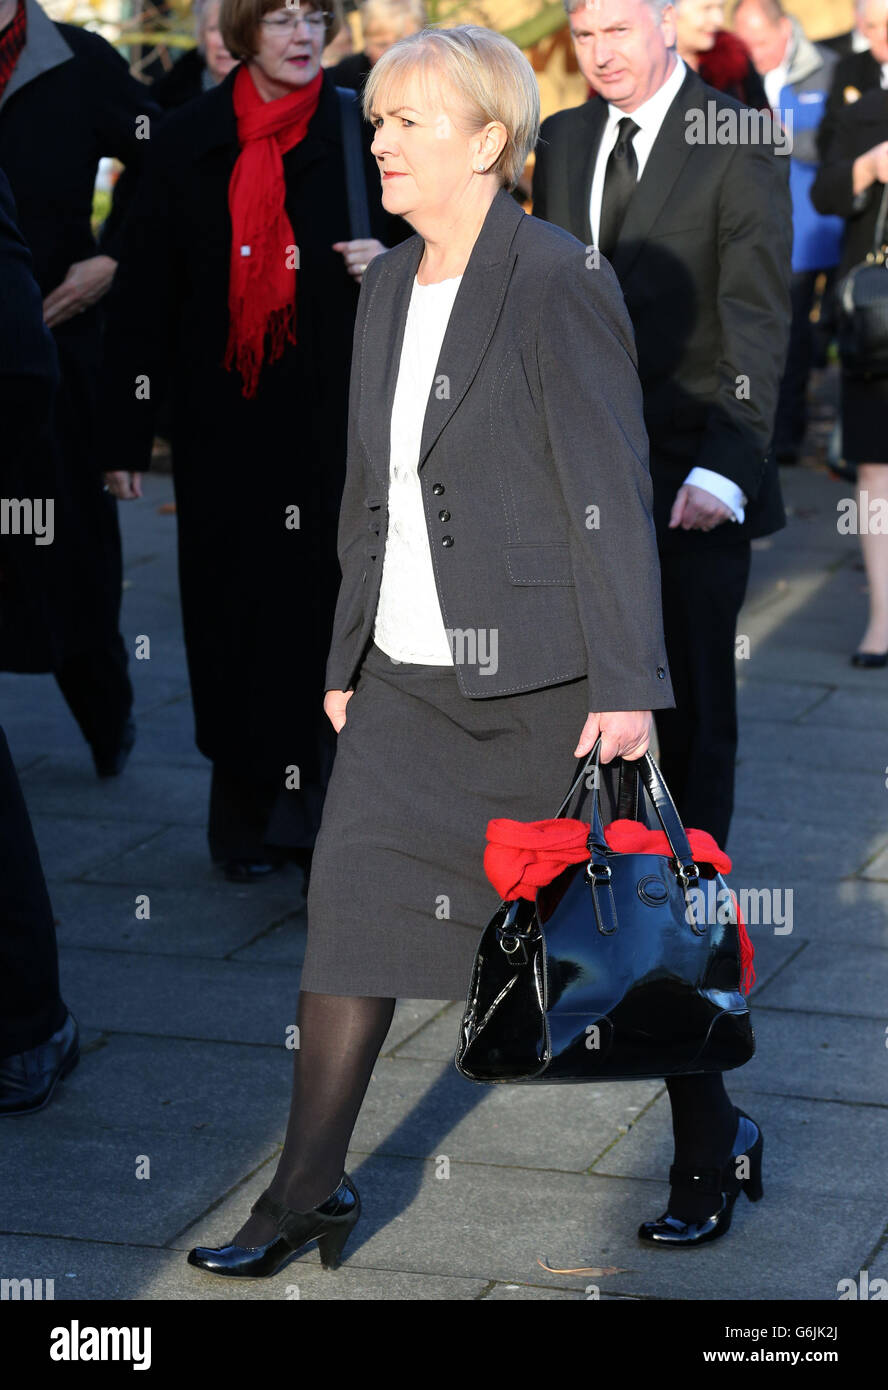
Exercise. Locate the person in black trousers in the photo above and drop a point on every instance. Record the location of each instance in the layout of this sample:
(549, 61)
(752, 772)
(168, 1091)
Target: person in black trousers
(38, 1036)
(699, 234)
(67, 99)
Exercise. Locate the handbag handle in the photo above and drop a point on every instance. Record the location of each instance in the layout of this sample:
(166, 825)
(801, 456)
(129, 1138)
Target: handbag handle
(879, 238)
(645, 770)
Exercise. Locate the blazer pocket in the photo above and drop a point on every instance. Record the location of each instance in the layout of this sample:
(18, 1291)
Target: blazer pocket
(539, 564)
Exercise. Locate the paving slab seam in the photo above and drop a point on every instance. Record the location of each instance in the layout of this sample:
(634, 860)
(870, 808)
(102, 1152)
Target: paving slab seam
(812, 1013)
(139, 844)
(229, 1192)
(392, 1054)
(754, 992)
(214, 960)
(877, 1249)
(589, 1170)
(272, 926)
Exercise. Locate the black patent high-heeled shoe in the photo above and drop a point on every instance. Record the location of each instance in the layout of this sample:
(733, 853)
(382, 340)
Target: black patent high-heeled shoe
(330, 1224)
(723, 1183)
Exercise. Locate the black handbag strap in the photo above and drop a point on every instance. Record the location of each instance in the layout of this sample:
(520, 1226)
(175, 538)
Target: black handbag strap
(881, 216)
(352, 145)
(646, 772)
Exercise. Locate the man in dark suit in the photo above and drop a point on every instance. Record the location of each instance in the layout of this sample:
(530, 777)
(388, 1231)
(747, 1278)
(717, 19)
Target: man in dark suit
(38, 1036)
(858, 70)
(681, 189)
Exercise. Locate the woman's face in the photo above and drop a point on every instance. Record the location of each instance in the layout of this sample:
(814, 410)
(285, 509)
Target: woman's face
(697, 22)
(425, 161)
(289, 50)
(218, 59)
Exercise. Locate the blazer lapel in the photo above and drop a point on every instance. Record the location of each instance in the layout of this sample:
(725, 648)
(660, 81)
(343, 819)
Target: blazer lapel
(473, 318)
(664, 164)
(581, 159)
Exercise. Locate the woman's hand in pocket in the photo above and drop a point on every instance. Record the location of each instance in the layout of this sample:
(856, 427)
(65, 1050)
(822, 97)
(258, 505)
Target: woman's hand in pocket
(335, 702)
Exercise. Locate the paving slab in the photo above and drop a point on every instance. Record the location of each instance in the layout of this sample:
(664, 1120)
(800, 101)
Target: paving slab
(168, 996)
(219, 919)
(858, 982)
(812, 1148)
(485, 1223)
(425, 1109)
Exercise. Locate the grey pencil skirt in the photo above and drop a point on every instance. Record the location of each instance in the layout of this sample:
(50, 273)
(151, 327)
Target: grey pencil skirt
(398, 897)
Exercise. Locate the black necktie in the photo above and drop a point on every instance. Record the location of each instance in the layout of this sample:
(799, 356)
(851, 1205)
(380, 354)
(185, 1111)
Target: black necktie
(620, 178)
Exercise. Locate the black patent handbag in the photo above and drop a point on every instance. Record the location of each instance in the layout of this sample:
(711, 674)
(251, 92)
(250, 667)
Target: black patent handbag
(612, 973)
(862, 308)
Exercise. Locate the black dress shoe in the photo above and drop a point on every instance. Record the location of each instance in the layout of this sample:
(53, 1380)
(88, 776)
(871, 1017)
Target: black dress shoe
(28, 1079)
(330, 1224)
(870, 661)
(722, 1183)
(112, 764)
(250, 870)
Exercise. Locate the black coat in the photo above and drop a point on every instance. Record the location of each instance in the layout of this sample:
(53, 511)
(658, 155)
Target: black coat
(351, 71)
(858, 71)
(257, 597)
(69, 102)
(703, 259)
(29, 374)
(858, 128)
(182, 83)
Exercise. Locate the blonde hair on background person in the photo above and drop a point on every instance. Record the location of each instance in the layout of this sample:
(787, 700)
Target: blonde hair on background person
(486, 75)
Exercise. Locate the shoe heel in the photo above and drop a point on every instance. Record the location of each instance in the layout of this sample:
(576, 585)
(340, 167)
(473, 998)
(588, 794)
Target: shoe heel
(332, 1243)
(752, 1185)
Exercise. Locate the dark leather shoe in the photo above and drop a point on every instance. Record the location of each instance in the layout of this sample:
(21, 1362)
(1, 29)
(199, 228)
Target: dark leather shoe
(725, 1186)
(112, 764)
(250, 870)
(28, 1079)
(330, 1224)
(870, 661)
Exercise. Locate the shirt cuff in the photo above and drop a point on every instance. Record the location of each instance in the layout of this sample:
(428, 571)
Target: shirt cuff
(721, 487)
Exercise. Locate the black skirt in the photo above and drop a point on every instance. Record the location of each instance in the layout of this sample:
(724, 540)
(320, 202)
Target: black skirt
(864, 419)
(398, 896)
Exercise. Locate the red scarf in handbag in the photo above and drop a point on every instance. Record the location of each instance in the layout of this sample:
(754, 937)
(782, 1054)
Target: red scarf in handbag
(522, 856)
(262, 283)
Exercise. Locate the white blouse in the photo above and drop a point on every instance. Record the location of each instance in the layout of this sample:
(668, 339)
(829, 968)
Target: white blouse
(409, 625)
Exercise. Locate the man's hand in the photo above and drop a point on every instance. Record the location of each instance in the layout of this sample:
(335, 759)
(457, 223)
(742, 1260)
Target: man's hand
(358, 255)
(335, 702)
(82, 287)
(695, 509)
(125, 486)
(625, 734)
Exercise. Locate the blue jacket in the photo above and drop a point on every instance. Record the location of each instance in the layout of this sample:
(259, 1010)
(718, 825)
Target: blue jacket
(817, 240)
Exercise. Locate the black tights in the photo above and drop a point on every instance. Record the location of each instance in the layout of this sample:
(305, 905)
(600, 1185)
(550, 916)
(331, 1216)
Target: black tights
(340, 1038)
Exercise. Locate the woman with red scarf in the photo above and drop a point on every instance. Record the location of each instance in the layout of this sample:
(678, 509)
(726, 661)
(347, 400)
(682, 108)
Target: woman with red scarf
(716, 54)
(236, 298)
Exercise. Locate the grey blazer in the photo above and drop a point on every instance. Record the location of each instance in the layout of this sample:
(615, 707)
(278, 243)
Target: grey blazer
(533, 467)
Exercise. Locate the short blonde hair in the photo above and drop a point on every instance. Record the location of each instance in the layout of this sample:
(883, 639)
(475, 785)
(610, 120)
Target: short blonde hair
(487, 73)
(239, 22)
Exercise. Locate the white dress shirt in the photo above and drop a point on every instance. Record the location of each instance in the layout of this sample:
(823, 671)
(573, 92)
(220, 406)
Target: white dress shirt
(408, 624)
(649, 117)
(774, 82)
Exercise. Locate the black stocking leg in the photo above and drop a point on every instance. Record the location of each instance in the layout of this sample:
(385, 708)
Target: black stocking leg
(340, 1038)
(704, 1126)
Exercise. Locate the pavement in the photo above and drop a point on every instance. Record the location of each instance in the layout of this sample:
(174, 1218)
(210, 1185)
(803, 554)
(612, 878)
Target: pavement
(184, 986)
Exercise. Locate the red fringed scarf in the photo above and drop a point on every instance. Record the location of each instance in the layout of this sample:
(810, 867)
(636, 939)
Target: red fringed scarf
(262, 284)
(12, 41)
(522, 856)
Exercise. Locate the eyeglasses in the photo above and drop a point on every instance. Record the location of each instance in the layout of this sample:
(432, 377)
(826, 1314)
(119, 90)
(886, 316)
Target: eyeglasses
(289, 23)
